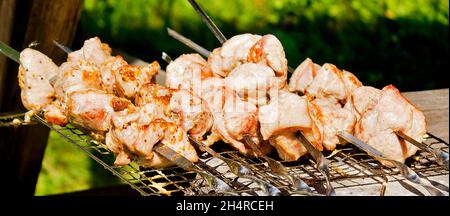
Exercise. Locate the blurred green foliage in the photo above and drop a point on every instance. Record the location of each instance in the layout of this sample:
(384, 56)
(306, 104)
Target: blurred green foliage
(66, 168)
(404, 42)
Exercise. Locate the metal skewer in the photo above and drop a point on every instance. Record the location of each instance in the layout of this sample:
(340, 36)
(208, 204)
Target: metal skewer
(241, 170)
(208, 22)
(441, 156)
(279, 169)
(218, 184)
(64, 48)
(322, 162)
(216, 31)
(407, 172)
(188, 42)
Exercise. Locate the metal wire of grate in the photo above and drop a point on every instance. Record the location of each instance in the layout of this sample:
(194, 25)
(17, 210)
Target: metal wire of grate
(348, 167)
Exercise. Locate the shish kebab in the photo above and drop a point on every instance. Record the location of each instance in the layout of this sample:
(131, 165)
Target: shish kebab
(354, 83)
(187, 72)
(78, 95)
(237, 168)
(61, 120)
(122, 157)
(335, 132)
(304, 74)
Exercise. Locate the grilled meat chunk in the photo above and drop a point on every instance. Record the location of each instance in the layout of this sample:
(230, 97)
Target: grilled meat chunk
(390, 113)
(35, 72)
(232, 53)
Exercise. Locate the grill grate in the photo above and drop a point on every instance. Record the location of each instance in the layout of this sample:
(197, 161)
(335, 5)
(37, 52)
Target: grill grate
(348, 167)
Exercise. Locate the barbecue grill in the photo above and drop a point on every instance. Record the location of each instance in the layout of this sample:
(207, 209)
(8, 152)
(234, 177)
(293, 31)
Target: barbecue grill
(349, 167)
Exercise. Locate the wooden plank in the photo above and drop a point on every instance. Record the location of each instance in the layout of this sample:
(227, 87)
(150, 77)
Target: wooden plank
(7, 16)
(41, 21)
(435, 105)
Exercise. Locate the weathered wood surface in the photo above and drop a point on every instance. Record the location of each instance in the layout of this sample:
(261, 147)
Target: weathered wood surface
(434, 103)
(22, 149)
(6, 20)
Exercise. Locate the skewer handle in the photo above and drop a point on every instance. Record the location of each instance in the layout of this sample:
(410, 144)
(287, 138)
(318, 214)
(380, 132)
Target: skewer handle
(208, 21)
(9, 52)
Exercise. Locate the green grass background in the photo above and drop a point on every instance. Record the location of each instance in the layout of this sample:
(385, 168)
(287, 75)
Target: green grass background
(404, 42)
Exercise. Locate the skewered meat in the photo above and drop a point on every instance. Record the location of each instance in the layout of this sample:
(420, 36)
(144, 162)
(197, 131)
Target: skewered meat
(84, 95)
(303, 76)
(35, 71)
(93, 50)
(186, 71)
(250, 68)
(107, 72)
(252, 82)
(75, 76)
(362, 98)
(288, 146)
(328, 118)
(285, 111)
(232, 53)
(91, 109)
(233, 117)
(136, 131)
(391, 112)
(328, 83)
(280, 119)
(351, 82)
(130, 78)
(190, 110)
(268, 50)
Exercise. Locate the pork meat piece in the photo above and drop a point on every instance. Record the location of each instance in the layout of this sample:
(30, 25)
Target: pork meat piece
(362, 98)
(93, 50)
(391, 113)
(107, 72)
(288, 146)
(75, 76)
(187, 71)
(232, 53)
(303, 76)
(252, 82)
(351, 82)
(35, 72)
(130, 78)
(92, 109)
(232, 116)
(285, 111)
(328, 82)
(328, 117)
(180, 105)
(269, 51)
